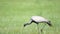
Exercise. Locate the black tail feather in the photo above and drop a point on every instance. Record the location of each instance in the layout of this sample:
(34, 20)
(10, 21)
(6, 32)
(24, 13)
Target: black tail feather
(49, 23)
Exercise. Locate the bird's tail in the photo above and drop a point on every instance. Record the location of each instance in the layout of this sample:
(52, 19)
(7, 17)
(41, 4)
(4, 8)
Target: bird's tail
(49, 23)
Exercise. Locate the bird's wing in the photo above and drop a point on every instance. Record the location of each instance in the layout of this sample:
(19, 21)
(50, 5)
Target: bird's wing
(38, 18)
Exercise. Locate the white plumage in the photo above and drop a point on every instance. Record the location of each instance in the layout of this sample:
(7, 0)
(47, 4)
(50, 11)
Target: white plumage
(38, 19)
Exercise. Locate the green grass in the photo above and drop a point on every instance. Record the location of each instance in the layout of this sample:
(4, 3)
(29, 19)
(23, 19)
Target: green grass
(14, 13)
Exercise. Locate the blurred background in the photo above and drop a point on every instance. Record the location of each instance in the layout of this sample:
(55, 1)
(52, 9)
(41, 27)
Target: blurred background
(14, 13)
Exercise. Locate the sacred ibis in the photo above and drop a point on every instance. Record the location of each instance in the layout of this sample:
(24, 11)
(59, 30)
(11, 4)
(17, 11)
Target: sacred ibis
(37, 20)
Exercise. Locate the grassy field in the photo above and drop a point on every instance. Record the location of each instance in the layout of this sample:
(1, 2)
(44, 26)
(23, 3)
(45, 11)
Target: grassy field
(14, 13)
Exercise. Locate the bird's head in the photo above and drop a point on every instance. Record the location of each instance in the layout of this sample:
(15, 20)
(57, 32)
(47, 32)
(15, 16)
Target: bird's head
(26, 24)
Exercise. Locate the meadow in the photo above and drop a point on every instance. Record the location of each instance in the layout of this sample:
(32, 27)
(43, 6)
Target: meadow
(14, 13)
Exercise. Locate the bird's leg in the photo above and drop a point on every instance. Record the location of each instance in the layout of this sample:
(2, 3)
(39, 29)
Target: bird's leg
(42, 28)
(38, 29)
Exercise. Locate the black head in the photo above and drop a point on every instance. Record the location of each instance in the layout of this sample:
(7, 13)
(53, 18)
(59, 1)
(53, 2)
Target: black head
(25, 25)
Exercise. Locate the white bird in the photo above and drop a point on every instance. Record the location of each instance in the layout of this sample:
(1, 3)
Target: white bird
(37, 20)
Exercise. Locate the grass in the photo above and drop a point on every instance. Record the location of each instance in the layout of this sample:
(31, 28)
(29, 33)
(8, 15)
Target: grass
(14, 13)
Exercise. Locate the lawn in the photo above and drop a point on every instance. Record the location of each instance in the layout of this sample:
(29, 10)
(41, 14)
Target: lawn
(14, 13)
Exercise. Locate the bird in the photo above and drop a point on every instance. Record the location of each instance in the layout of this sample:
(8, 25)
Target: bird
(37, 20)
